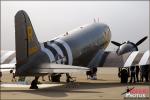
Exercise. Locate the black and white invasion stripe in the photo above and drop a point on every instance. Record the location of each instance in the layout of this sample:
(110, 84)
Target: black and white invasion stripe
(145, 58)
(57, 47)
(131, 58)
(110, 59)
(137, 58)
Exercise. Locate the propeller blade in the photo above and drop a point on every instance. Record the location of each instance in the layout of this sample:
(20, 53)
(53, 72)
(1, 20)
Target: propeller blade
(115, 43)
(141, 41)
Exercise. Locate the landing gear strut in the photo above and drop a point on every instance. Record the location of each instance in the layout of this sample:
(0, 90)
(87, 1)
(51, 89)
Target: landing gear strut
(34, 83)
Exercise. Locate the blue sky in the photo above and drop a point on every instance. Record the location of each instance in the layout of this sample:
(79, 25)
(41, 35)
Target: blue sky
(128, 20)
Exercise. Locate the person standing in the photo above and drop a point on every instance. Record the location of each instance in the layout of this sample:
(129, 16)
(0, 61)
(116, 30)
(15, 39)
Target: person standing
(49, 77)
(124, 75)
(146, 72)
(149, 72)
(141, 73)
(132, 69)
(68, 77)
(13, 75)
(0, 76)
(137, 73)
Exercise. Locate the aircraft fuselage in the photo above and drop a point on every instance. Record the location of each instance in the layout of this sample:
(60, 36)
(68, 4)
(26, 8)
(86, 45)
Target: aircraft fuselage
(80, 45)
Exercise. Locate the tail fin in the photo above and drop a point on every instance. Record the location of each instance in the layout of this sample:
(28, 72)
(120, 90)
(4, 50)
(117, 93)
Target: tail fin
(26, 40)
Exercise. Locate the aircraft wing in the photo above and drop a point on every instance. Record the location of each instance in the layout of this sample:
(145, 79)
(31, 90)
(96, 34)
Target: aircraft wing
(46, 68)
(60, 68)
(111, 59)
(7, 67)
(7, 57)
(8, 60)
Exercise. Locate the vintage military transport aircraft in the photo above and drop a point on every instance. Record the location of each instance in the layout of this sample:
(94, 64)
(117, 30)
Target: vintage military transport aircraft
(80, 49)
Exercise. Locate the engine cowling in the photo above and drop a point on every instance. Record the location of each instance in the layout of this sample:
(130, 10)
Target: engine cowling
(126, 47)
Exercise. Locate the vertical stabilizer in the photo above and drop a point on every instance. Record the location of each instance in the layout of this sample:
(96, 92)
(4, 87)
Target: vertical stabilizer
(26, 40)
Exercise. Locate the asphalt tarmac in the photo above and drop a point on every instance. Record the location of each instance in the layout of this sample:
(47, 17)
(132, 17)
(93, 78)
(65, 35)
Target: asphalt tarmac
(106, 87)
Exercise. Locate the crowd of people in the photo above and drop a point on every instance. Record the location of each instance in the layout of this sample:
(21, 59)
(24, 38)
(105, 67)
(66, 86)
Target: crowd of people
(143, 71)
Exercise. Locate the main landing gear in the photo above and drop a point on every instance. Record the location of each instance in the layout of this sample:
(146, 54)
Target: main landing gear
(34, 83)
(92, 74)
(55, 77)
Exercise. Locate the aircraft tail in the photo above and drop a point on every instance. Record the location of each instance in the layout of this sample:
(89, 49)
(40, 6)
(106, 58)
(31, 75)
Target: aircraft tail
(26, 41)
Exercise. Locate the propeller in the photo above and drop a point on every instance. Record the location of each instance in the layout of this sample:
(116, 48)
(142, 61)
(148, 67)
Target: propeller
(141, 41)
(115, 43)
(128, 46)
(137, 44)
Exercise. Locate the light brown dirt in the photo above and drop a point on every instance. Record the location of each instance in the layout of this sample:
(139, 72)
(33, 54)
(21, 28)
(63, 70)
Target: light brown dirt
(106, 87)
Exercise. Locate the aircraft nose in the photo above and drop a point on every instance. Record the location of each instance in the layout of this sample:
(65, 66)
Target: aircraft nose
(107, 34)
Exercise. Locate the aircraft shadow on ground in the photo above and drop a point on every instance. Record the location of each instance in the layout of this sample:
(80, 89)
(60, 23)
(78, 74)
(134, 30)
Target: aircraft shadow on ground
(61, 91)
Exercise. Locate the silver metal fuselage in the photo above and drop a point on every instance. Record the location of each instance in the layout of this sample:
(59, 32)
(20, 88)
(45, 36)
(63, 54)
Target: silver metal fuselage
(84, 42)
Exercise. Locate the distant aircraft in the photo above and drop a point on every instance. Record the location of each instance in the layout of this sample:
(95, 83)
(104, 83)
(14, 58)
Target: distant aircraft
(81, 49)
